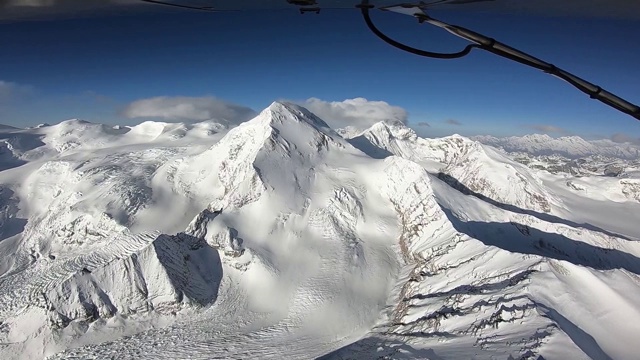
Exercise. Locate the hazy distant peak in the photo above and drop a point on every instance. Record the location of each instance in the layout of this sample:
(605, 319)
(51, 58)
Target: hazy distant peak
(568, 146)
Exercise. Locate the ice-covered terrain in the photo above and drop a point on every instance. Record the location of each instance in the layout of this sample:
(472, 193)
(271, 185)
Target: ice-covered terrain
(606, 172)
(282, 238)
(570, 154)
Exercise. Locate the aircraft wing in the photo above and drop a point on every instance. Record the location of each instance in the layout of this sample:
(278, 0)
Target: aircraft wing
(626, 8)
(22, 9)
(593, 8)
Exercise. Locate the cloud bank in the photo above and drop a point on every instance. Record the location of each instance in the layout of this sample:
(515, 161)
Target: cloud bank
(548, 129)
(11, 91)
(6, 89)
(182, 108)
(358, 113)
(624, 138)
(453, 122)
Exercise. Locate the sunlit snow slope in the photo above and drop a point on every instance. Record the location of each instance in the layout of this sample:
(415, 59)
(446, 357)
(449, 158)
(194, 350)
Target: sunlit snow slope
(280, 238)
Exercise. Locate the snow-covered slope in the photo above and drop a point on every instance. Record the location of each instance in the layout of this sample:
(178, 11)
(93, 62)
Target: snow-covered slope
(595, 170)
(383, 139)
(568, 146)
(75, 135)
(281, 238)
(464, 164)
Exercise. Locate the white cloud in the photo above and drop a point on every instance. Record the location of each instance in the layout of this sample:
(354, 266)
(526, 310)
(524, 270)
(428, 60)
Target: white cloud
(10, 91)
(359, 113)
(548, 129)
(453, 122)
(624, 138)
(6, 89)
(181, 108)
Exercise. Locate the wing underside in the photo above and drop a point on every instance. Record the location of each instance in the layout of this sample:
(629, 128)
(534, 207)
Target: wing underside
(24, 9)
(594, 8)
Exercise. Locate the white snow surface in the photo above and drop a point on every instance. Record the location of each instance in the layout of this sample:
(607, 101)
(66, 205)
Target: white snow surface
(282, 238)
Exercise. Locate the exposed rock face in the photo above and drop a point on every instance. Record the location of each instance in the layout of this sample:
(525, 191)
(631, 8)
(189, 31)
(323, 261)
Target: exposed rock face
(613, 170)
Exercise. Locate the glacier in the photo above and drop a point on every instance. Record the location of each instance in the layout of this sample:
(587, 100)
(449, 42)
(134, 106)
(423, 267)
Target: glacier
(284, 238)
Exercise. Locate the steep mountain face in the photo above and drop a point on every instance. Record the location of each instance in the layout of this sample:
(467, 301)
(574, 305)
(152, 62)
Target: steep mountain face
(278, 204)
(383, 139)
(483, 172)
(482, 281)
(464, 164)
(282, 238)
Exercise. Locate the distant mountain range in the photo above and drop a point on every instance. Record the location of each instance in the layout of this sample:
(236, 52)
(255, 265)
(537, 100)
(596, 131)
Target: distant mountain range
(568, 146)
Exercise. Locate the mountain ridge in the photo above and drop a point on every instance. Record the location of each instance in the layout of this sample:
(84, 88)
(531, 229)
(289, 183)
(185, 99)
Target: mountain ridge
(568, 146)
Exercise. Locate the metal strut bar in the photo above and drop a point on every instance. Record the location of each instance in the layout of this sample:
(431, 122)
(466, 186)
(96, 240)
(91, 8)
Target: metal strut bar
(493, 46)
(365, 12)
(166, 3)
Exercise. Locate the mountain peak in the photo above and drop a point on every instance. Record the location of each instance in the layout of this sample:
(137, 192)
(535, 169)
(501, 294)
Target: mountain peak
(75, 122)
(393, 129)
(538, 137)
(280, 111)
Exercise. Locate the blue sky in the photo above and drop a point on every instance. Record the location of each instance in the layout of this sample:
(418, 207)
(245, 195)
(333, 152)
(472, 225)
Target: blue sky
(94, 68)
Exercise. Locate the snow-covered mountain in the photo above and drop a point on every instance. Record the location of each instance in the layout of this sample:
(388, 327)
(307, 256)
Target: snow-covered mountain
(466, 165)
(596, 165)
(598, 169)
(282, 238)
(567, 146)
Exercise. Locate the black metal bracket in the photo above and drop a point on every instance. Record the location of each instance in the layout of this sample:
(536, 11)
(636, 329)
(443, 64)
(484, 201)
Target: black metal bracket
(479, 41)
(306, 10)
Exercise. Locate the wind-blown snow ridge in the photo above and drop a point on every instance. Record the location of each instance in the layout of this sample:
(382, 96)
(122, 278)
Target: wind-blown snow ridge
(282, 238)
